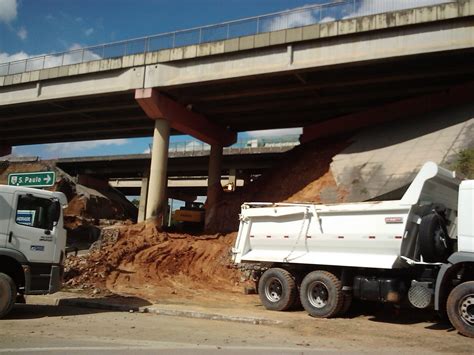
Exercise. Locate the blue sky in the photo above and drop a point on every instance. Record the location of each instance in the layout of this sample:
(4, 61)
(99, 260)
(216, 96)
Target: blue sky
(34, 27)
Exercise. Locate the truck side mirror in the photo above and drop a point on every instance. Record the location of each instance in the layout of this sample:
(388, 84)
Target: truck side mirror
(54, 212)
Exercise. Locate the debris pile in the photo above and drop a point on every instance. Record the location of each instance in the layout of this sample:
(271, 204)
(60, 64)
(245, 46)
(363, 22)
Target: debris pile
(141, 260)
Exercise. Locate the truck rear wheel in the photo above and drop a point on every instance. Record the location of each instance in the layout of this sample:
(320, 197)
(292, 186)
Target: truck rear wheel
(321, 294)
(460, 308)
(7, 294)
(277, 289)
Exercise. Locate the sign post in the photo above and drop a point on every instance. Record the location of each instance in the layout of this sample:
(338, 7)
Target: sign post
(38, 179)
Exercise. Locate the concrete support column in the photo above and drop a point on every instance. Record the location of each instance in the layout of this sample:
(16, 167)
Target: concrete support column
(214, 187)
(143, 197)
(156, 200)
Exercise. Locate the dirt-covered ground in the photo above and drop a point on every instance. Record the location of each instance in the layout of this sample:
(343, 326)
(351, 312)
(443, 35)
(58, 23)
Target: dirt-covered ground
(142, 261)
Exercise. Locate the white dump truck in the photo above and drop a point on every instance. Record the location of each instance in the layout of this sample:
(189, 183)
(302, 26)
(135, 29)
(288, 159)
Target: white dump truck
(419, 250)
(32, 243)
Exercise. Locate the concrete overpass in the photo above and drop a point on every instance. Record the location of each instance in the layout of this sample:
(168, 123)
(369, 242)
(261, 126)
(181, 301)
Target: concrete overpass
(180, 164)
(327, 77)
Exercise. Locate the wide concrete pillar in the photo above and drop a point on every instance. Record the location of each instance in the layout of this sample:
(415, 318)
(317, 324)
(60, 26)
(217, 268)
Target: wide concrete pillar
(214, 186)
(156, 200)
(143, 197)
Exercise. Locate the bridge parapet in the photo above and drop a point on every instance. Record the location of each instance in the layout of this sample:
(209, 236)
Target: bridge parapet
(307, 23)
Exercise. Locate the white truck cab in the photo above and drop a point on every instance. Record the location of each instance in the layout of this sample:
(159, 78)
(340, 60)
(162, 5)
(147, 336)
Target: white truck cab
(418, 250)
(32, 243)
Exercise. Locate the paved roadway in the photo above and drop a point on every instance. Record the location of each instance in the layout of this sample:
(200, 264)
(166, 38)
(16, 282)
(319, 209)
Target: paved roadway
(41, 329)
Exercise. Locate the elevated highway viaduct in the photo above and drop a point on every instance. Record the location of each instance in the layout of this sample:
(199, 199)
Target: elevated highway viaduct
(187, 171)
(328, 77)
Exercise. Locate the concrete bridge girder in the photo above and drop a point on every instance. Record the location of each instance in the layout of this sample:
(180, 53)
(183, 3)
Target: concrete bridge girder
(104, 82)
(337, 50)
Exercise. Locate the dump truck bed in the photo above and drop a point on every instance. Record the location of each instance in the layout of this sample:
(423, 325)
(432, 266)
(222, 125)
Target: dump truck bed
(367, 234)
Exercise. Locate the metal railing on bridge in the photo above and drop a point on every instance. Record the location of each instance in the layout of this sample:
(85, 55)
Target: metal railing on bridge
(248, 144)
(303, 16)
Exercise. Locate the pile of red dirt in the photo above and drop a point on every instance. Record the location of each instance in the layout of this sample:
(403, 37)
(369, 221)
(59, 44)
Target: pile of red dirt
(301, 176)
(145, 262)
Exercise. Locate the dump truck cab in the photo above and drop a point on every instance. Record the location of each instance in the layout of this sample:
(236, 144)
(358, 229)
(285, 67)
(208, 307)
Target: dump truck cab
(32, 243)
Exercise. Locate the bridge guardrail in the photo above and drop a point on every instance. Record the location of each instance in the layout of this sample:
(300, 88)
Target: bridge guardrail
(194, 146)
(303, 16)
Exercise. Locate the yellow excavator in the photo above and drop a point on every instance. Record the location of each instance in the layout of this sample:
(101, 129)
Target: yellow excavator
(191, 215)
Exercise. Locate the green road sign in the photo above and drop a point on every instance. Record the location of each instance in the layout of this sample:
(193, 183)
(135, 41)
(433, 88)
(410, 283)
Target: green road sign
(39, 179)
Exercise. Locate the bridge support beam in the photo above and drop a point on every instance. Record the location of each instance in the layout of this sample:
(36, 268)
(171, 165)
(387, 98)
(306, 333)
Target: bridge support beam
(158, 106)
(5, 150)
(214, 187)
(143, 198)
(395, 110)
(156, 199)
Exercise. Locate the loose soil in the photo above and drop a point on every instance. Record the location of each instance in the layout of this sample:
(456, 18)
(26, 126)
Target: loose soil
(157, 266)
(143, 261)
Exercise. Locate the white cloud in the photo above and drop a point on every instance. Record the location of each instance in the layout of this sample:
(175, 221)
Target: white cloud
(327, 19)
(74, 46)
(275, 132)
(8, 10)
(75, 147)
(147, 151)
(35, 62)
(89, 31)
(308, 16)
(5, 57)
(22, 33)
(368, 7)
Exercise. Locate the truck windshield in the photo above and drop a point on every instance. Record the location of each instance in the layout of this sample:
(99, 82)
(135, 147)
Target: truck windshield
(32, 211)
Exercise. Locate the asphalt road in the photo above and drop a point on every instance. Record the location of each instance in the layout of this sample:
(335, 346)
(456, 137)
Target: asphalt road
(40, 329)
(43, 329)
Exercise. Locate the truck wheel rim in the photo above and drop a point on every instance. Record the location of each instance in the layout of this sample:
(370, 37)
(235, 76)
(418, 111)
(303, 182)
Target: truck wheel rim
(466, 309)
(318, 294)
(273, 290)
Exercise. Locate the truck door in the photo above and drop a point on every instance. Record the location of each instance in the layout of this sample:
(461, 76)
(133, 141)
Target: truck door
(29, 229)
(5, 213)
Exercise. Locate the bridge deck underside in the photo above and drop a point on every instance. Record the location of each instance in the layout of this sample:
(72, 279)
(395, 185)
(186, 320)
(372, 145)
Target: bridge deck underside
(283, 100)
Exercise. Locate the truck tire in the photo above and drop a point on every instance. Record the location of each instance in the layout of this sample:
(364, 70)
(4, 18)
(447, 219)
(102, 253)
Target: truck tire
(277, 289)
(346, 303)
(460, 308)
(321, 294)
(433, 239)
(7, 294)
